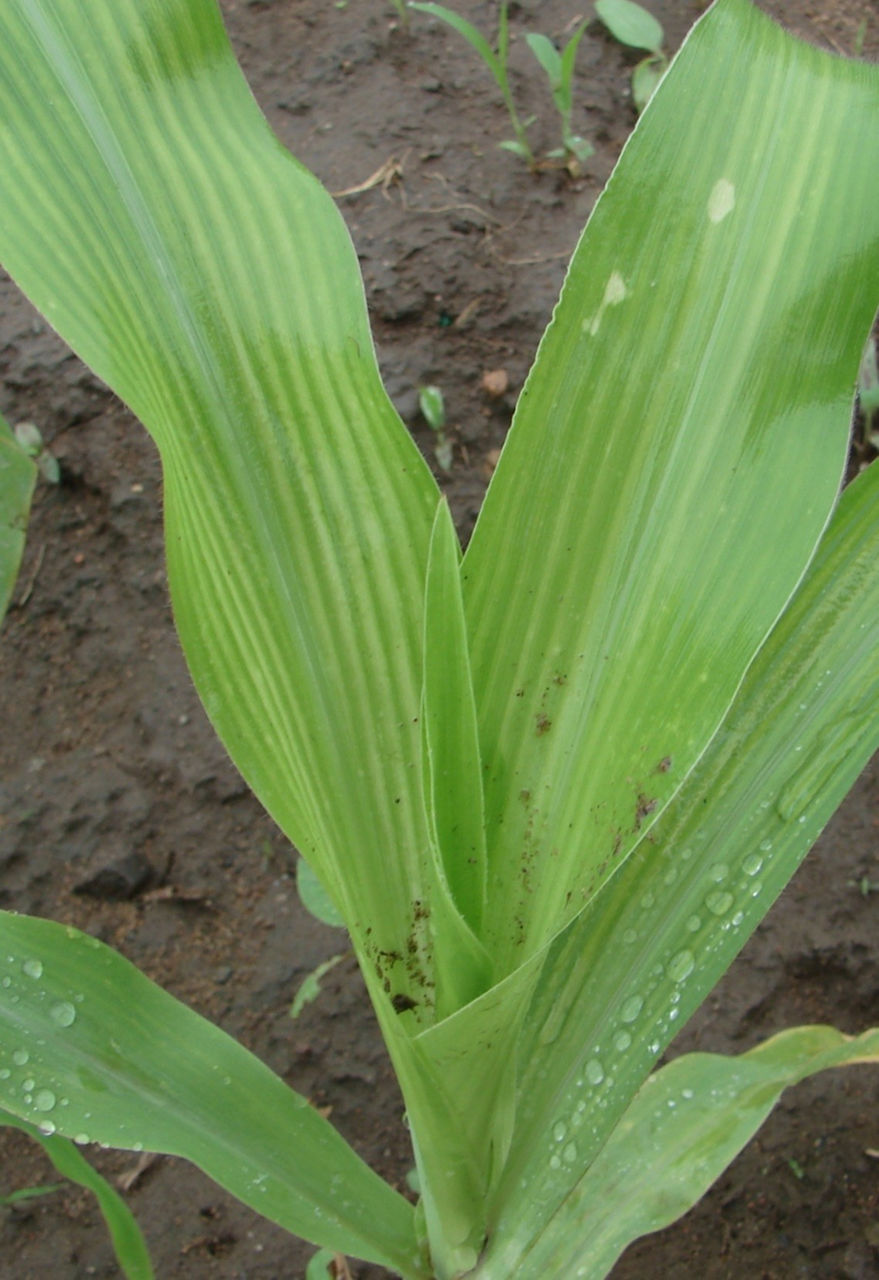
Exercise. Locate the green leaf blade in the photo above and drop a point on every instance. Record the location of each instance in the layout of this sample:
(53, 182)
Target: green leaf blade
(631, 24)
(688, 1123)
(18, 475)
(202, 272)
(140, 1070)
(685, 424)
(128, 1242)
(668, 925)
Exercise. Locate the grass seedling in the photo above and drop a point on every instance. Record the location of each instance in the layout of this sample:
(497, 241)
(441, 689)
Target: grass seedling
(633, 26)
(497, 62)
(551, 784)
(402, 13)
(559, 68)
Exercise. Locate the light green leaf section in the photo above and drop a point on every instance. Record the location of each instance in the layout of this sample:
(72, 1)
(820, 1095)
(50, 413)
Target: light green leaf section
(688, 1122)
(625, 976)
(630, 23)
(92, 1047)
(674, 456)
(453, 790)
(18, 474)
(128, 1242)
(152, 216)
(315, 898)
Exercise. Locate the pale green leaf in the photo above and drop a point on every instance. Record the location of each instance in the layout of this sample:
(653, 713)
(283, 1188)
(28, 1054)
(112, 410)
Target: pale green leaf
(630, 23)
(208, 278)
(674, 456)
(471, 34)
(651, 946)
(452, 759)
(547, 55)
(688, 1122)
(140, 1070)
(309, 988)
(18, 474)
(128, 1242)
(645, 78)
(315, 898)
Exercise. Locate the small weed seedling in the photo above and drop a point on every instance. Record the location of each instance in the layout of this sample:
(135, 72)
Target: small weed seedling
(559, 68)
(497, 62)
(633, 26)
(433, 409)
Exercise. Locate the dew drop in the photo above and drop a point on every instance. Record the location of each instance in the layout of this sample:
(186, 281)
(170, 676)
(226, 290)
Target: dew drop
(7, 982)
(621, 1041)
(594, 1071)
(44, 1100)
(687, 1093)
(33, 968)
(752, 864)
(694, 924)
(4, 1073)
(554, 1162)
(631, 1009)
(670, 876)
(81, 1139)
(47, 1127)
(737, 919)
(569, 1155)
(629, 937)
(719, 903)
(559, 1131)
(647, 901)
(719, 872)
(28, 1084)
(63, 1013)
(681, 966)
(20, 1057)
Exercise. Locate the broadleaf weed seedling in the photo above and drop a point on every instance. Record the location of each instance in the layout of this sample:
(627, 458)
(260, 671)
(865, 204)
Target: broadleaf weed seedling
(633, 26)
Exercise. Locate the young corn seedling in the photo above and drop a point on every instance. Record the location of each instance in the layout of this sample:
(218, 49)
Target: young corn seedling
(497, 62)
(552, 785)
(634, 27)
(559, 68)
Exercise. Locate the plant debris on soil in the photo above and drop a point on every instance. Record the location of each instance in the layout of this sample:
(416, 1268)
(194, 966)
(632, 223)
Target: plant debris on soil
(121, 813)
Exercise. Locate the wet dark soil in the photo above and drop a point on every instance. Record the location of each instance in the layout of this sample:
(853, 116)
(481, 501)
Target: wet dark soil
(120, 812)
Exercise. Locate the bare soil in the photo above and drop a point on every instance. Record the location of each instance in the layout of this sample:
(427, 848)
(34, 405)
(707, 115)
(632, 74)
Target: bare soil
(120, 811)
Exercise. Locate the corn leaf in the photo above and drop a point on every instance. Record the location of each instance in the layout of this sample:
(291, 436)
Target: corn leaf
(624, 977)
(94, 1051)
(128, 1242)
(18, 474)
(674, 457)
(200, 270)
(688, 1122)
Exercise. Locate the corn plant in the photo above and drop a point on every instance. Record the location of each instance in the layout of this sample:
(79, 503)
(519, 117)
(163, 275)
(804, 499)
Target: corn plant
(550, 786)
(497, 62)
(559, 68)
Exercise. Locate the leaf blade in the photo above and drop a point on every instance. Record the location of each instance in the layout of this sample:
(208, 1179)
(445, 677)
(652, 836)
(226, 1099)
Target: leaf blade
(602, 649)
(140, 1070)
(128, 1242)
